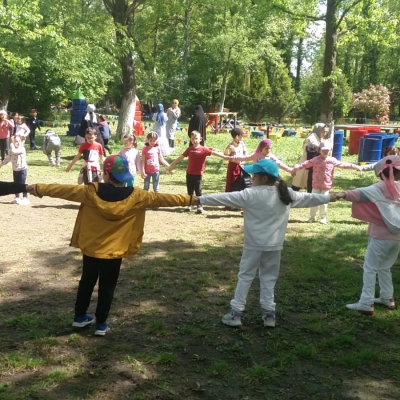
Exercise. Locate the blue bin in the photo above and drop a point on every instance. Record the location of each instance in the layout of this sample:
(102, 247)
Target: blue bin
(361, 150)
(257, 134)
(389, 140)
(372, 151)
(337, 144)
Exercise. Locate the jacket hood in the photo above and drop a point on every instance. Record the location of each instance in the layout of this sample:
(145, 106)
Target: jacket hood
(113, 203)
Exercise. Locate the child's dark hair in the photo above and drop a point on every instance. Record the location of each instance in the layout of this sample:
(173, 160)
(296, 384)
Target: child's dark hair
(90, 131)
(390, 149)
(102, 117)
(132, 138)
(151, 135)
(236, 132)
(283, 190)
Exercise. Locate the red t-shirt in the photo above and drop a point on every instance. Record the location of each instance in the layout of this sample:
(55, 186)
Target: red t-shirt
(197, 159)
(91, 154)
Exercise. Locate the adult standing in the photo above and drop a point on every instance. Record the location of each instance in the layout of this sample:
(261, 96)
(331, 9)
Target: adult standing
(198, 123)
(173, 113)
(303, 179)
(160, 118)
(89, 120)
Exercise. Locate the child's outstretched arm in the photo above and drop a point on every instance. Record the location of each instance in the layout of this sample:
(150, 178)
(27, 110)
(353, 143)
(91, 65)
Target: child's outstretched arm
(346, 165)
(218, 154)
(162, 160)
(71, 164)
(176, 161)
(305, 164)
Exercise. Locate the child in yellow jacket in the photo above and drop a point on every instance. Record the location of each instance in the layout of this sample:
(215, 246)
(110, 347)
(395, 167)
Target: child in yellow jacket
(108, 228)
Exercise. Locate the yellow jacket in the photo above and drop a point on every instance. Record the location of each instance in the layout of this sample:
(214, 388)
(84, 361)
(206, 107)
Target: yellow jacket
(109, 229)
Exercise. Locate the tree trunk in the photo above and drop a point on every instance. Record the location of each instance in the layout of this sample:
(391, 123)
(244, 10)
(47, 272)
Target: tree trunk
(187, 40)
(331, 36)
(225, 81)
(5, 91)
(128, 103)
(298, 66)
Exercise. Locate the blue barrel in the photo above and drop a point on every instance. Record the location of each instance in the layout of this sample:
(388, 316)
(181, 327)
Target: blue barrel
(389, 140)
(361, 157)
(372, 149)
(337, 144)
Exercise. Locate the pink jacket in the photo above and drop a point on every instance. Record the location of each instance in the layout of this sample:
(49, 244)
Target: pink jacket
(258, 156)
(365, 210)
(5, 129)
(323, 169)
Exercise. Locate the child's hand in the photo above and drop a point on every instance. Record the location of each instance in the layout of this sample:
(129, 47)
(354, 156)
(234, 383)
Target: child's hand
(68, 168)
(332, 197)
(170, 168)
(195, 201)
(143, 175)
(293, 172)
(341, 195)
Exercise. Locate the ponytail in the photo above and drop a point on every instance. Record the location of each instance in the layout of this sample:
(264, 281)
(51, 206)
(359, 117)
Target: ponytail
(283, 192)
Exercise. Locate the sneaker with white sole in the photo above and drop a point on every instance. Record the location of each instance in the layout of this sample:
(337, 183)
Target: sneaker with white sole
(323, 221)
(16, 200)
(311, 219)
(25, 202)
(82, 321)
(233, 318)
(389, 303)
(199, 210)
(362, 308)
(269, 319)
(101, 329)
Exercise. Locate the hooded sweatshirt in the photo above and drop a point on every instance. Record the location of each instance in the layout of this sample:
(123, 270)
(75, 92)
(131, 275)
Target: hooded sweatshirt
(110, 221)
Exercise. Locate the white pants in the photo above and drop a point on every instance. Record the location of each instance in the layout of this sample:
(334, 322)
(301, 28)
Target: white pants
(268, 264)
(322, 208)
(379, 259)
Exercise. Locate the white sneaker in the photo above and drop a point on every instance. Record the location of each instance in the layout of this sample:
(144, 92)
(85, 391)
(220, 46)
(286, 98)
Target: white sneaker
(387, 303)
(25, 202)
(16, 200)
(199, 210)
(232, 319)
(311, 219)
(362, 308)
(323, 221)
(269, 319)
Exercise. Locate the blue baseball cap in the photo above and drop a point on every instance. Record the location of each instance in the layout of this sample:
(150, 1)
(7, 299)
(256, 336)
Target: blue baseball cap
(119, 168)
(263, 166)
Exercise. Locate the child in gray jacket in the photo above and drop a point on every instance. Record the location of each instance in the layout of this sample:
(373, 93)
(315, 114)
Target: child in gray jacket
(52, 142)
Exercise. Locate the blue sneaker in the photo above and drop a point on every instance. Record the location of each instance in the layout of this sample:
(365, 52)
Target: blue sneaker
(81, 322)
(101, 329)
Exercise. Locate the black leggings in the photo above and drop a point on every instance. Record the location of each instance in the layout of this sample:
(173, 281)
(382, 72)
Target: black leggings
(4, 146)
(107, 272)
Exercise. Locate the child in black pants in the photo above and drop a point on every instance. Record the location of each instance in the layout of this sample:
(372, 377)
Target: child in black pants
(108, 228)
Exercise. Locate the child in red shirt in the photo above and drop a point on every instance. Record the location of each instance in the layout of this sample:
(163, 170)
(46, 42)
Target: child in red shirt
(92, 152)
(196, 154)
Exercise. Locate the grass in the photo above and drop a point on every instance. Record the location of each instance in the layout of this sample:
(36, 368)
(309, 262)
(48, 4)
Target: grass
(166, 340)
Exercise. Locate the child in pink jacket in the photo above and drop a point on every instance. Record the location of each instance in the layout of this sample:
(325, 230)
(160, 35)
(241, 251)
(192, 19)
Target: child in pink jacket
(379, 205)
(322, 178)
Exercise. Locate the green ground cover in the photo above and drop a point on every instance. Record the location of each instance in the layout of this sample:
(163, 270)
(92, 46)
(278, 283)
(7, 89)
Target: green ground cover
(167, 341)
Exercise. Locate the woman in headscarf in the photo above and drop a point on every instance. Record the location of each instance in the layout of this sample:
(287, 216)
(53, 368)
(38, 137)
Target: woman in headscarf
(198, 123)
(160, 118)
(89, 120)
(303, 179)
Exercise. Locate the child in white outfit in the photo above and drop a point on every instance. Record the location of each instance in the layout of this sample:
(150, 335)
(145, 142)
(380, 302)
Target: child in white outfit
(379, 205)
(131, 153)
(17, 156)
(266, 212)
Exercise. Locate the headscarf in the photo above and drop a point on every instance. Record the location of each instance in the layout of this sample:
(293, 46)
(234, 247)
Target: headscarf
(318, 128)
(391, 188)
(262, 144)
(90, 114)
(160, 114)
(198, 122)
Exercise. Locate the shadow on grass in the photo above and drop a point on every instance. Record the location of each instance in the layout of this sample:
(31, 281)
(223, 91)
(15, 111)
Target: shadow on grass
(167, 341)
